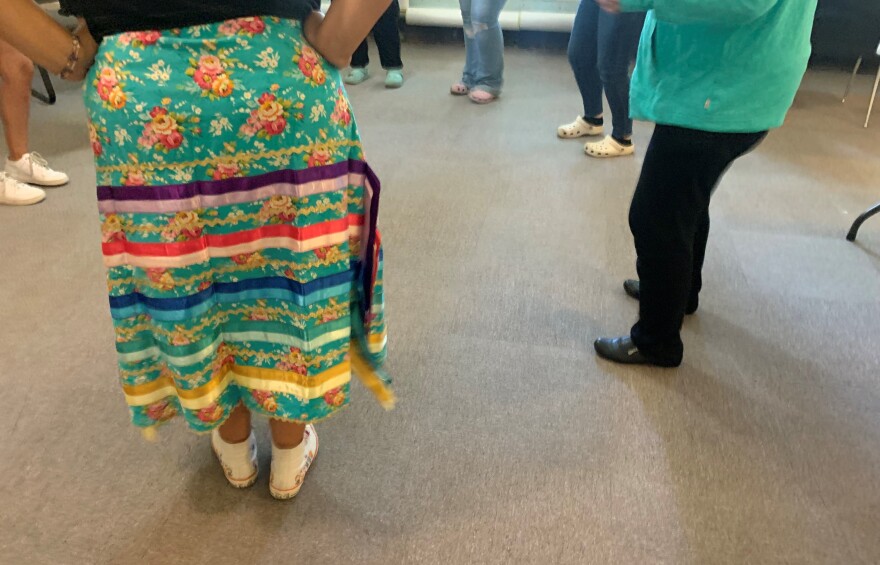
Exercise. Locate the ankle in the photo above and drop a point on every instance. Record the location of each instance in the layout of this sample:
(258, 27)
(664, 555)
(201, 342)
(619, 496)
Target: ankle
(625, 141)
(233, 437)
(595, 121)
(287, 443)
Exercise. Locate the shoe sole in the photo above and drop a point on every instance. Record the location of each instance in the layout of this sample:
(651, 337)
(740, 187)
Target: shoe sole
(482, 102)
(561, 135)
(237, 483)
(51, 184)
(28, 202)
(608, 156)
(281, 494)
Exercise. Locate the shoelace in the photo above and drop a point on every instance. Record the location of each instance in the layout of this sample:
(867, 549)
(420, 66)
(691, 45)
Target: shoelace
(37, 159)
(17, 184)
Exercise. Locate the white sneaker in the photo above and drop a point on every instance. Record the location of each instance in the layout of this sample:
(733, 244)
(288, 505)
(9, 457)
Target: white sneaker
(239, 460)
(289, 466)
(608, 147)
(578, 128)
(33, 169)
(14, 193)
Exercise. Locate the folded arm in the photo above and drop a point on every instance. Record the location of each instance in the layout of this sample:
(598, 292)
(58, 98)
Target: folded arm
(347, 23)
(29, 29)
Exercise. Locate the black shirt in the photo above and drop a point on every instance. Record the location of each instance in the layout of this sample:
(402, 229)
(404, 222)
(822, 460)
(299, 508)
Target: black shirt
(107, 17)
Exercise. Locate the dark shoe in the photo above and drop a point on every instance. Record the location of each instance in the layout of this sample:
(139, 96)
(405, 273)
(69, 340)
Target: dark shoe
(631, 287)
(620, 350)
(623, 350)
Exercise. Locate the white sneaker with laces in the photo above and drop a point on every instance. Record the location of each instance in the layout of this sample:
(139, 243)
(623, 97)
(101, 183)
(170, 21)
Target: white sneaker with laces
(239, 460)
(15, 193)
(33, 169)
(289, 466)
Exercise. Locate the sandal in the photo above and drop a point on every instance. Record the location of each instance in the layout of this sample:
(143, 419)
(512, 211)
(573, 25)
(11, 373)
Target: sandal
(578, 128)
(481, 97)
(608, 147)
(459, 89)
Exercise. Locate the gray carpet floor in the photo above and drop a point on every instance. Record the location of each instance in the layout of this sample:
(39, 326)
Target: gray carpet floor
(512, 443)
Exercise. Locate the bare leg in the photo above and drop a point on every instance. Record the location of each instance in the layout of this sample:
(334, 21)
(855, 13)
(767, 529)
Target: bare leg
(16, 73)
(286, 435)
(237, 427)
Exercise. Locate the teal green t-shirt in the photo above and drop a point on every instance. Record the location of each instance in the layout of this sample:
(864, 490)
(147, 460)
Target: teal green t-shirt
(720, 65)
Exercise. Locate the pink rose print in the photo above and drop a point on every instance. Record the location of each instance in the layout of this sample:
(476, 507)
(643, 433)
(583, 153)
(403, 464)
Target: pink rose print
(276, 127)
(109, 89)
(161, 411)
(163, 132)
(140, 39)
(183, 226)
(95, 140)
(230, 27)
(224, 171)
(210, 414)
(210, 73)
(319, 157)
(335, 397)
(269, 118)
(112, 230)
(265, 399)
(134, 178)
(341, 113)
(252, 26)
(310, 65)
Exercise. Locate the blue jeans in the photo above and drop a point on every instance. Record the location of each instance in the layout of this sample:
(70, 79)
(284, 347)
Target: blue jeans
(484, 45)
(601, 47)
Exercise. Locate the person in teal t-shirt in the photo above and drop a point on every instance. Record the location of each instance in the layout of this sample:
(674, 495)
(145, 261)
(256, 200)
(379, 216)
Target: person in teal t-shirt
(715, 76)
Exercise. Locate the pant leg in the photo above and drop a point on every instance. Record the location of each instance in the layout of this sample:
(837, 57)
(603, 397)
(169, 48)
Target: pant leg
(701, 238)
(472, 55)
(361, 56)
(387, 36)
(681, 169)
(485, 32)
(583, 56)
(618, 39)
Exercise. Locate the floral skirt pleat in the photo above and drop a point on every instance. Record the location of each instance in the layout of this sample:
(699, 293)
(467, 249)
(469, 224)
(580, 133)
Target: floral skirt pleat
(238, 223)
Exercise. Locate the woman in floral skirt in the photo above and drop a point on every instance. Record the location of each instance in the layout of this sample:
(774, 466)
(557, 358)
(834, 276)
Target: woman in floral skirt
(238, 213)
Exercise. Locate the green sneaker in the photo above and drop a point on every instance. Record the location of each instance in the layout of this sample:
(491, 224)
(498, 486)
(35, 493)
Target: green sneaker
(356, 75)
(394, 79)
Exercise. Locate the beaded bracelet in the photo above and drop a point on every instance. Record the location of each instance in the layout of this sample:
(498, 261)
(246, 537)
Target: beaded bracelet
(73, 58)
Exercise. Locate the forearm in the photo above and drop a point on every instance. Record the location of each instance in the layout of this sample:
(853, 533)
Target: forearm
(33, 32)
(346, 24)
(693, 11)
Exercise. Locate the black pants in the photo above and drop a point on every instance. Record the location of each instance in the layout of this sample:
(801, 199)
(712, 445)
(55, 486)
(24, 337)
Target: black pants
(669, 219)
(387, 37)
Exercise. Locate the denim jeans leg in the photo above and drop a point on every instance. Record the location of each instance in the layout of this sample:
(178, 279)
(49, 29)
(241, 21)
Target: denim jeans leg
(618, 38)
(483, 33)
(583, 57)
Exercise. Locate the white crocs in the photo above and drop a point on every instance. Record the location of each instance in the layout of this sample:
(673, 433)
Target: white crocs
(578, 128)
(289, 466)
(608, 147)
(239, 460)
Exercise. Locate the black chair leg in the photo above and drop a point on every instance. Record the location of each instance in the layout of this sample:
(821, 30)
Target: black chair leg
(854, 230)
(49, 97)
